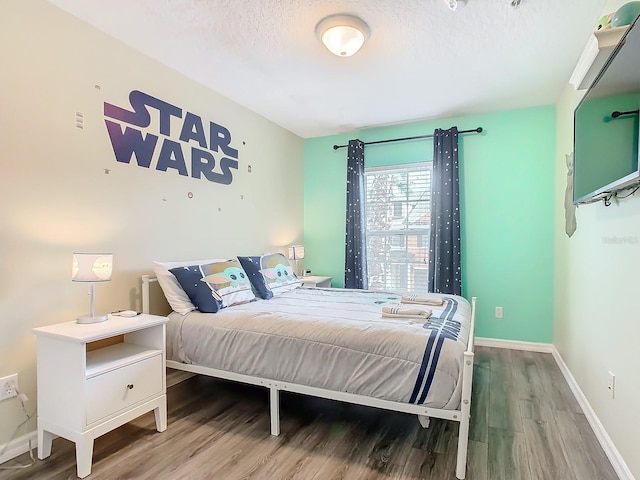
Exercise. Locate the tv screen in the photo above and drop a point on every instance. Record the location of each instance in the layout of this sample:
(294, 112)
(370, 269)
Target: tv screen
(606, 125)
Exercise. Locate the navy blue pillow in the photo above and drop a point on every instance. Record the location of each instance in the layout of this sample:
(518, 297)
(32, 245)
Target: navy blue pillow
(201, 294)
(251, 265)
(270, 275)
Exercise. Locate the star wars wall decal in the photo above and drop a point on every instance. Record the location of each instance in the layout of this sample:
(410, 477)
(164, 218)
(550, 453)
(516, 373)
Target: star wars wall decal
(174, 145)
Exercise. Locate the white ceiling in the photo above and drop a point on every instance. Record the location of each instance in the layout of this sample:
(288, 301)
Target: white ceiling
(422, 60)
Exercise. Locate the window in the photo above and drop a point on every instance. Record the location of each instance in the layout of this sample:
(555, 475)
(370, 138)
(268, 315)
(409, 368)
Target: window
(397, 212)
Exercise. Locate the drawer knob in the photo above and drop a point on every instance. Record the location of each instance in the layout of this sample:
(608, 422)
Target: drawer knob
(130, 386)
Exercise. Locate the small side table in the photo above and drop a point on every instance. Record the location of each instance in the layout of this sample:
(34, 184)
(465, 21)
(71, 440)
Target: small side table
(316, 281)
(83, 393)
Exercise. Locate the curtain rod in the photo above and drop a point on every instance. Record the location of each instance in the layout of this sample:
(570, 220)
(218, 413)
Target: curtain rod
(475, 130)
(617, 114)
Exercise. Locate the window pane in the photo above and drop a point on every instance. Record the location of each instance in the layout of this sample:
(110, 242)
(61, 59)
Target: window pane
(397, 222)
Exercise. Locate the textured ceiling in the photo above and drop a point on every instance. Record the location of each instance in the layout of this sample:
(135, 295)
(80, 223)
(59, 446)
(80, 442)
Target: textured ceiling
(422, 60)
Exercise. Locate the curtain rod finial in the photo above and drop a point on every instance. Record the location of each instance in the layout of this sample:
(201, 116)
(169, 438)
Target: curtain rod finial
(336, 147)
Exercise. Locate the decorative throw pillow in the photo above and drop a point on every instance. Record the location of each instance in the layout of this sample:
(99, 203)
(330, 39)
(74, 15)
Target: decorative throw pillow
(171, 288)
(215, 285)
(230, 282)
(270, 275)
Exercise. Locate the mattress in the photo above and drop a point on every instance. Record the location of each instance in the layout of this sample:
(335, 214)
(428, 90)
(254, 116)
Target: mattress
(334, 339)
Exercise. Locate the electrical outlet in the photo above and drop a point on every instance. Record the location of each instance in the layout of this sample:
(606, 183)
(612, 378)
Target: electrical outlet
(498, 312)
(9, 386)
(612, 385)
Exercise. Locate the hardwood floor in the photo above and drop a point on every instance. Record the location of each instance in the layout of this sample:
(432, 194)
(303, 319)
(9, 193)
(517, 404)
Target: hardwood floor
(526, 425)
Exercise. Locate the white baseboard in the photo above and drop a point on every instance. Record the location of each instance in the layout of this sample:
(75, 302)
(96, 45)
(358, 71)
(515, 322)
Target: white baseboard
(618, 463)
(19, 446)
(514, 345)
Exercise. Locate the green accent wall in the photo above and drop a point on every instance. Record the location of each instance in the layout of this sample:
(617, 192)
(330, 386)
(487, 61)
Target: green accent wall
(507, 201)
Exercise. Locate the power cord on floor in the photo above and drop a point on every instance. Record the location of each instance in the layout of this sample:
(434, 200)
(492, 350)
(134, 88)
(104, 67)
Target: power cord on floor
(22, 398)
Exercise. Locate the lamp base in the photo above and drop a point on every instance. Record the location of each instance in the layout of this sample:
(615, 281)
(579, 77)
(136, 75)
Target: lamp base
(90, 319)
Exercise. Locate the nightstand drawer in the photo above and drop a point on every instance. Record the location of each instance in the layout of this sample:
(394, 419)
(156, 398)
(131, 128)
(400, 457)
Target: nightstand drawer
(118, 389)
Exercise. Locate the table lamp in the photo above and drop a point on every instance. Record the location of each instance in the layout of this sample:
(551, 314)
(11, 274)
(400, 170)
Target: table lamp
(92, 268)
(296, 252)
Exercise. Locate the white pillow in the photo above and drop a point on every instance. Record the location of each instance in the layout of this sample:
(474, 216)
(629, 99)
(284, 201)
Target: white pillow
(173, 292)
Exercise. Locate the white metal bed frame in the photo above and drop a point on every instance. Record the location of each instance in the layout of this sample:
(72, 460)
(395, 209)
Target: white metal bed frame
(462, 415)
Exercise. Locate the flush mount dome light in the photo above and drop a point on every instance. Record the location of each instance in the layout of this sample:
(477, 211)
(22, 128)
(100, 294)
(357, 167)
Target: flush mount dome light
(343, 35)
(455, 4)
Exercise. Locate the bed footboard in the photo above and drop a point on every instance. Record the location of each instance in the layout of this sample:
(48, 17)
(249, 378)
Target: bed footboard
(465, 401)
(462, 415)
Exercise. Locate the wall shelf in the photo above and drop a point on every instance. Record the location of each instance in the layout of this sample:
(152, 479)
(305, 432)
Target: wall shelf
(595, 55)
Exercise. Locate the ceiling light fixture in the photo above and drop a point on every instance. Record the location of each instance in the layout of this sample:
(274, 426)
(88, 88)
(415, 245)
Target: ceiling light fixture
(455, 4)
(343, 35)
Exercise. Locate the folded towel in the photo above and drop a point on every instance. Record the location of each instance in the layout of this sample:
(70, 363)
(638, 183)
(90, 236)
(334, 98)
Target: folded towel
(437, 301)
(398, 311)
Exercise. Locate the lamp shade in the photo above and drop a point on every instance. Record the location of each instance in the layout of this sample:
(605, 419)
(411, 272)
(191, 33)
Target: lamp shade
(343, 35)
(92, 267)
(296, 252)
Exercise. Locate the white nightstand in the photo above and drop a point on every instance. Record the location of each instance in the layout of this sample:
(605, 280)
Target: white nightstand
(316, 281)
(84, 394)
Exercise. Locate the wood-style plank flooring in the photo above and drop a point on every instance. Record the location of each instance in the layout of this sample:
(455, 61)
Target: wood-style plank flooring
(526, 425)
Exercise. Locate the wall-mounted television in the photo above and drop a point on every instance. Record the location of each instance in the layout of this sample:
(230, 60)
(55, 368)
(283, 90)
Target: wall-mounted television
(606, 127)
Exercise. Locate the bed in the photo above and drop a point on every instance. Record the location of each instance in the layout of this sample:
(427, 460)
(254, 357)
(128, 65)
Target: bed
(335, 344)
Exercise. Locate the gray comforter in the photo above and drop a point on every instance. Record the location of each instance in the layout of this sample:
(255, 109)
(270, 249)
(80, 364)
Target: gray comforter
(333, 339)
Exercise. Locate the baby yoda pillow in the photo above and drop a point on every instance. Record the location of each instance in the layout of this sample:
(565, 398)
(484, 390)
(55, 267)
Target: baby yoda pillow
(230, 282)
(270, 275)
(215, 285)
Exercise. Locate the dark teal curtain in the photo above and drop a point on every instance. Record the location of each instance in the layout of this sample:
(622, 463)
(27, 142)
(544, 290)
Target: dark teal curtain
(445, 274)
(355, 268)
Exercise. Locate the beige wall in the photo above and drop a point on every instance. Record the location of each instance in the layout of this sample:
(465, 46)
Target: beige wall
(56, 197)
(597, 325)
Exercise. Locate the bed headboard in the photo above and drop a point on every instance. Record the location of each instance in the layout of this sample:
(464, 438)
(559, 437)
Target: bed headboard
(146, 281)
